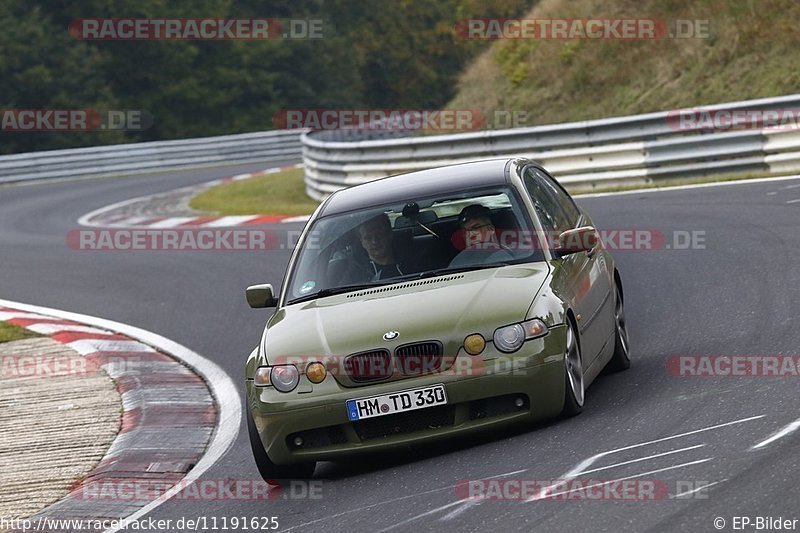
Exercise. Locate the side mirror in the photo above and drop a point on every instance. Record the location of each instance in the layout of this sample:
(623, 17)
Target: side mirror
(583, 239)
(259, 296)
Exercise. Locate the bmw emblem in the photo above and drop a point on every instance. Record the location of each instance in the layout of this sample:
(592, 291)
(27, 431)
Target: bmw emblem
(390, 335)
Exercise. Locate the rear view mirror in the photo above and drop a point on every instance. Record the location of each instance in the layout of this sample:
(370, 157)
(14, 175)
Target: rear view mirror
(582, 239)
(260, 296)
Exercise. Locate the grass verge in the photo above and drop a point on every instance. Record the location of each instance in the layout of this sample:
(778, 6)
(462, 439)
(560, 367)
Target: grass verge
(10, 332)
(281, 193)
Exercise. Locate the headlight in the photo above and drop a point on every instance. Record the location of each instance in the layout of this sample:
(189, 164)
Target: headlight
(285, 377)
(510, 338)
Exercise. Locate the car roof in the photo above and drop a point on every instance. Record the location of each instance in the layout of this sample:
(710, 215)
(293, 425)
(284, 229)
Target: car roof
(406, 187)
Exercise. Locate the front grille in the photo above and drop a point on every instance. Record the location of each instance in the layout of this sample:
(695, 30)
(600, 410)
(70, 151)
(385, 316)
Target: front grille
(317, 438)
(368, 366)
(408, 422)
(419, 358)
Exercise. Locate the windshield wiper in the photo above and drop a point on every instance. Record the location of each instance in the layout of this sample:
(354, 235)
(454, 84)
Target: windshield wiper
(330, 291)
(455, 270)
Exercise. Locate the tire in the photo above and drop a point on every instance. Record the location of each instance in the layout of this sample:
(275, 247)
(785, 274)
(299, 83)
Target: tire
(621, 360)
(575, 389)
(272, 473)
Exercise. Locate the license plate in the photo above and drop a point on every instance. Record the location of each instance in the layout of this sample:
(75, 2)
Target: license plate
(396, 402)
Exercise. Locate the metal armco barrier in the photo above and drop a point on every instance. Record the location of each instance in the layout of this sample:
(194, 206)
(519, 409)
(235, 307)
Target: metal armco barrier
(583, 155)
(135, 158)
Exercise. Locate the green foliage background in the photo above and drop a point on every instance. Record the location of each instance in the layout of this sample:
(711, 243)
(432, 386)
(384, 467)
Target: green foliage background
(374, 54)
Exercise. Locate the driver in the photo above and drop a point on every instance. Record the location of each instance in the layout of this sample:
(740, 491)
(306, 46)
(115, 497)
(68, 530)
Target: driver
(378, 260)
(375, 236)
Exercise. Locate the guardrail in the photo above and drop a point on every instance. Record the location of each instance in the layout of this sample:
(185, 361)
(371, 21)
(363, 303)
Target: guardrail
(136, 158)
(582, 155)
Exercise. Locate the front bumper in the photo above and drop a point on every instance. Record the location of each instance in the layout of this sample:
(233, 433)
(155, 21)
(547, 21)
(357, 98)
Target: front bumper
(489, 396)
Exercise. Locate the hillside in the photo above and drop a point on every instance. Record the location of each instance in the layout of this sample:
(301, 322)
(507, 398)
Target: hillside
(752, 51)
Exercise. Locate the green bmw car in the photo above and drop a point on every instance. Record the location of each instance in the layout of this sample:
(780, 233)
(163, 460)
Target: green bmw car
(427, 306)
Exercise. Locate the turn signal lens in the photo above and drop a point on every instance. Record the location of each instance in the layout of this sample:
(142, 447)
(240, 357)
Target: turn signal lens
(315, 372)
(261, 378)
(474, 344)
(534, 328)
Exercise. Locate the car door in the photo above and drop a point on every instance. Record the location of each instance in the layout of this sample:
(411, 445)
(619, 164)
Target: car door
(584, 274)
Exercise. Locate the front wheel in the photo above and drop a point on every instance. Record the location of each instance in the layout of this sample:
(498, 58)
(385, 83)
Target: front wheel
(621, 360)
(575, 388)
(272, 473)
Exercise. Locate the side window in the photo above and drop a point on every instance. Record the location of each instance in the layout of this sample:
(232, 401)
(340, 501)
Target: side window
(554, 208)
(567, 203)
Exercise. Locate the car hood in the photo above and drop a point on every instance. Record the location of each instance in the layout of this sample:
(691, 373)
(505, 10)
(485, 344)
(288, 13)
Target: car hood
(444, 308)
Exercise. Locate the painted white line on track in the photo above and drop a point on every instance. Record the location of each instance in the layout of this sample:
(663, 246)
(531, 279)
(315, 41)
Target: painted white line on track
(472, 503)
(225, 393)
(229, 221)
(580, 489)
(465, 504)
(682, 494)
(795, 186)
(640, 459)
(85, 219)
(687, 187)
(171, 222)
(422, 515)
(785, 431)
(586, 463)
(48, 329)
(8, 315)
(366, 507)
(773, 193)
(793, 201)
(300, 218)
(393, 500)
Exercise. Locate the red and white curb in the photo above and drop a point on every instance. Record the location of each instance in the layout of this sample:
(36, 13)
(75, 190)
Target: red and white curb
(107, 218)
(181, 412)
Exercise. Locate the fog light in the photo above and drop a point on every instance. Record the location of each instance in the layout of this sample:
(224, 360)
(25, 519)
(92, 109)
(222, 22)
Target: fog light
(315, 372)
(519, 402)
(298, 441)
(474, 344)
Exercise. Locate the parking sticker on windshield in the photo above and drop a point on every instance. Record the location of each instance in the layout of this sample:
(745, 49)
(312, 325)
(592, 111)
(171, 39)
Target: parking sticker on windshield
(307, 286)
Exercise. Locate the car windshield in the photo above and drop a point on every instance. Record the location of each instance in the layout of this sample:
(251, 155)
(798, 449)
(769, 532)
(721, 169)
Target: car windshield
(417, 238)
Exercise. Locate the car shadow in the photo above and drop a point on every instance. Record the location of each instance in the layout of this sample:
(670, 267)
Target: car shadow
(370, 462)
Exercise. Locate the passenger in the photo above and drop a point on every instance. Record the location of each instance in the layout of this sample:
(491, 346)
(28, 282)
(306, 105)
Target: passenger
(480, 239)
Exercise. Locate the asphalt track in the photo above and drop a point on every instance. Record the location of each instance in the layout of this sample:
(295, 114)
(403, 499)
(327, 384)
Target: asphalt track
(738, 295)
